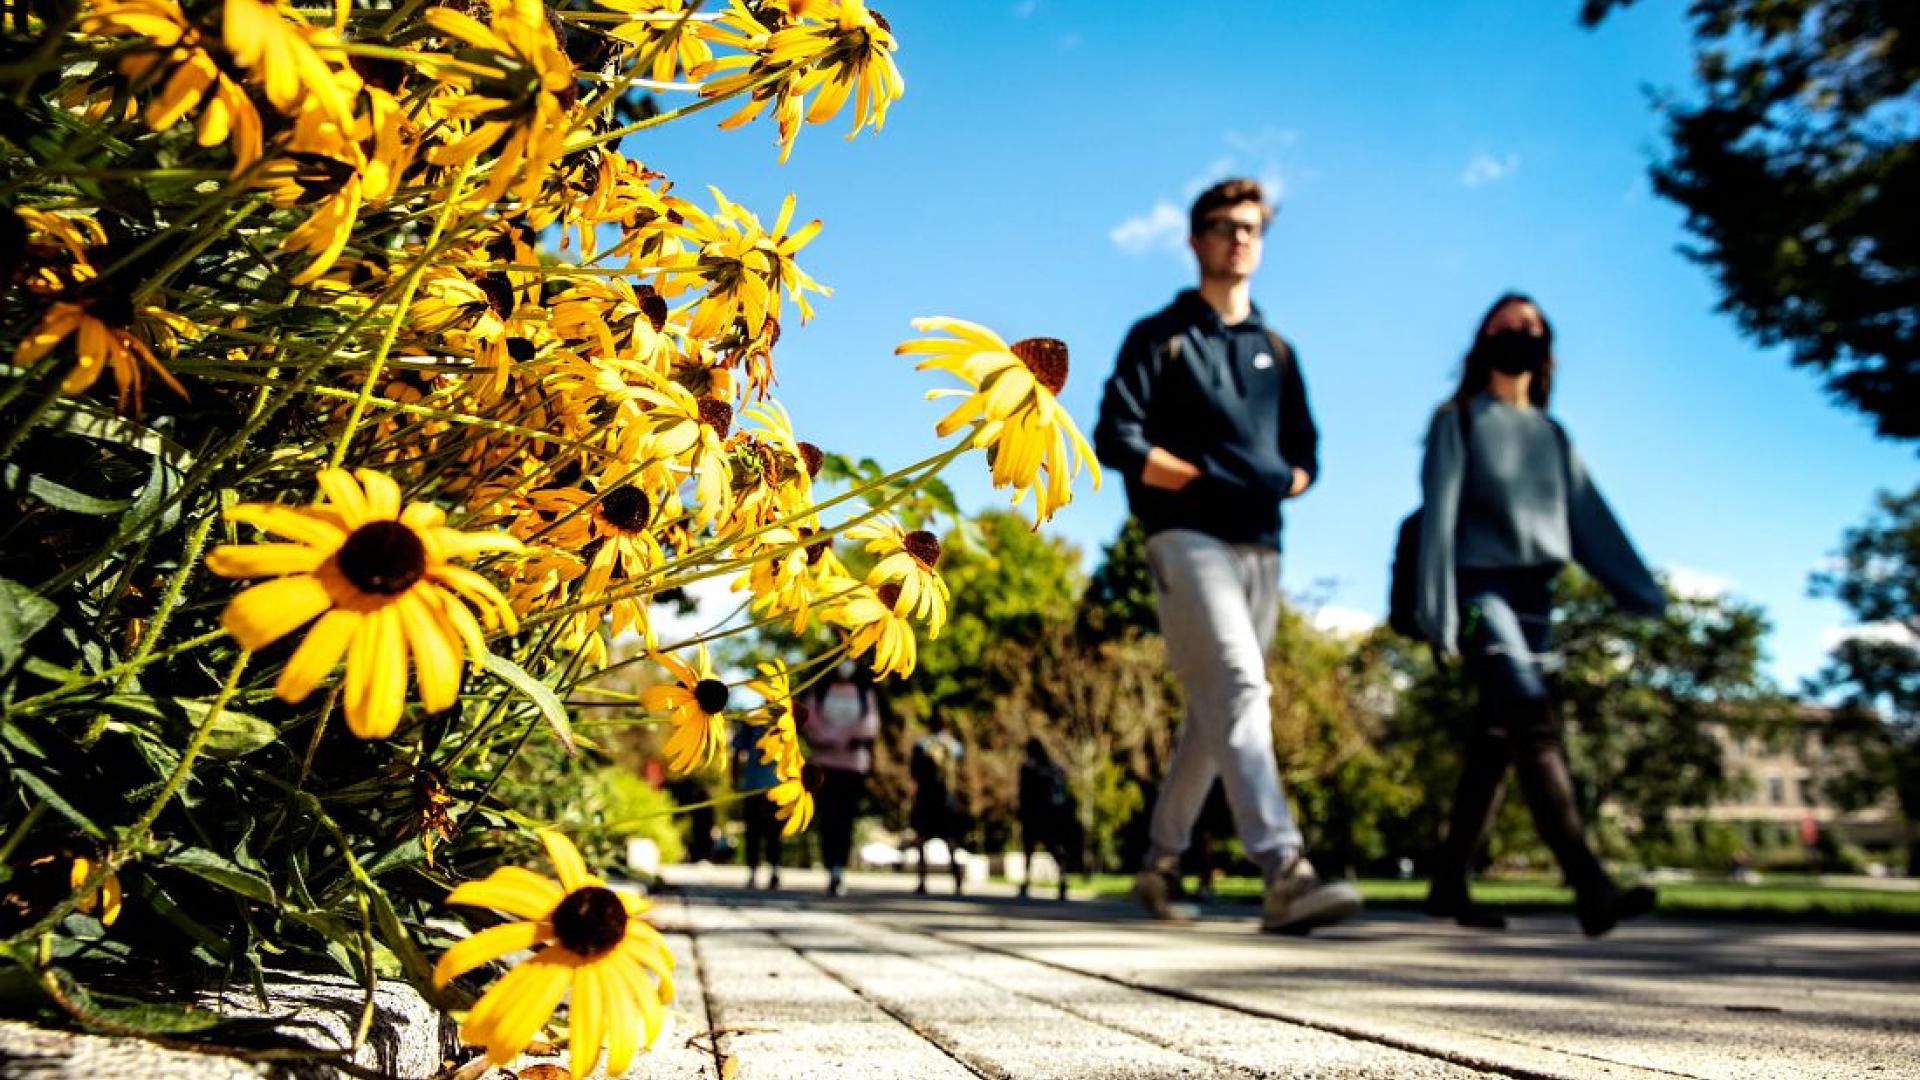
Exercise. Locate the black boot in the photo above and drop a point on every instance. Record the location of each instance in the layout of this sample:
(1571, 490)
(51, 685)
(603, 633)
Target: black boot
(1540, 759)
(1483, 771)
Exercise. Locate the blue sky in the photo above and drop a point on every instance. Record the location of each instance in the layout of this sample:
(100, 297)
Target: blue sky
(1428, 155)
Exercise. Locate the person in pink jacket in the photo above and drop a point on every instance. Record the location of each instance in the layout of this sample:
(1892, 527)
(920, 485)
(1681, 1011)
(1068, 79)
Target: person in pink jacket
(842, 722)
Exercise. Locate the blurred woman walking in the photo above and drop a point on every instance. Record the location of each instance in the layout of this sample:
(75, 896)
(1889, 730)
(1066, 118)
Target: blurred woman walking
(1507, 505)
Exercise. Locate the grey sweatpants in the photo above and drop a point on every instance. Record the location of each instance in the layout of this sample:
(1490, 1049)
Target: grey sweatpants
(1218, 605)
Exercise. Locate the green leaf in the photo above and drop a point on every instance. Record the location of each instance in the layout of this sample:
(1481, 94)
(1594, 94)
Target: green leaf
(536, 691)
(234, 733)
(413, 851)
(225, 873)
(61, 497)
(23, 613)
(146, 1017)
(53, 798)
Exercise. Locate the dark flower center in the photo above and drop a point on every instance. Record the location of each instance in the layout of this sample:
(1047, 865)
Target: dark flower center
(627, 509)
(889, 593)
(1047, 358)
(382, 557)
(710, 695)
(520, 349)
(717, 415)
(590, 921)
(923, 546)
(813, 456)
(115, 309)
(654, 307)
(816, 549)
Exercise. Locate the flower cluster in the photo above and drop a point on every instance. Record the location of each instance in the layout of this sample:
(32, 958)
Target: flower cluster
(427, 392)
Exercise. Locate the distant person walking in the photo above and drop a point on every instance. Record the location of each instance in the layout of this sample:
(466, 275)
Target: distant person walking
(753, 773)
(936, 813)
(1049, 818)
(842, 722)
(1507, 505)
(1206, 419)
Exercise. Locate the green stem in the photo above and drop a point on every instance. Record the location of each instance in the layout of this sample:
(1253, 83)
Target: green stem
(39, 411)
(21, 830)
(189, 561)
(137, 835)
(419, 267)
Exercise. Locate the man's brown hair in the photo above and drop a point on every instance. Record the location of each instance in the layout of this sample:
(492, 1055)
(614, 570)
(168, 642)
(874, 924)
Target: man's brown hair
(1230, 192)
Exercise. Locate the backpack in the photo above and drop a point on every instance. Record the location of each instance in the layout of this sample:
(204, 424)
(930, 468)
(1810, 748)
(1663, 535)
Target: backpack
(1403, 588)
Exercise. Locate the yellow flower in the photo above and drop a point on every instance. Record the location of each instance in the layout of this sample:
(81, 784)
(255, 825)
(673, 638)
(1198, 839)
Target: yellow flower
(794, 802)
(1012, 408)
(687, 51)
(907, 559)
(106, 901)
(381, 581)
(851, 53)
(619, 529)
(104, 331)
(695, 704)
(177, 61)
(586, 938)
(284, 58)
(780, 745)
(743, 267)
(521, 105)
(679, 427)
(871, 616)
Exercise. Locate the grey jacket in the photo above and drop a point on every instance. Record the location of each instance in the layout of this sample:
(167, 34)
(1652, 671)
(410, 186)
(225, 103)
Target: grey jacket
(1522, 498)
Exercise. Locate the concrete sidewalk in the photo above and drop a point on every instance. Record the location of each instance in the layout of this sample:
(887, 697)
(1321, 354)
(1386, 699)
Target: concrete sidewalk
(886, 984)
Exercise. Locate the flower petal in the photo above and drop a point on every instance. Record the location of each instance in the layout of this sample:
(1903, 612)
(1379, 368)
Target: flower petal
(319, 653)
(485, 946)
(512, 889)
(271, 610)
(567, 862)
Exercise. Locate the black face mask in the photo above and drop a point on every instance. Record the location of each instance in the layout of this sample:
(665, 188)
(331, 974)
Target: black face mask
(1515, 352)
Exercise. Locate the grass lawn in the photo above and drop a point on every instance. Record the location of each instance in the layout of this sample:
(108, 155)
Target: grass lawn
(1782, 899)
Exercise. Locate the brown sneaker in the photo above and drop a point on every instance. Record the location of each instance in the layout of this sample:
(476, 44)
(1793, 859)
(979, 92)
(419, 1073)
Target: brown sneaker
(1297, 900)
(1155, 887)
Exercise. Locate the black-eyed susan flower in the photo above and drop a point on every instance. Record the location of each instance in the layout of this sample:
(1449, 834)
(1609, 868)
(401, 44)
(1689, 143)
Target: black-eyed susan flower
(516, 89)
(907, 559)
(743, 268)
(618, 528)
(792, 799)
(283, 52)
(848, 53)
(695, 704)
(173, 64)
(780, 744)
(109, 335)
(585, 938)
(1012, 406)
(381, 581)
(872, 620)
(666, 30)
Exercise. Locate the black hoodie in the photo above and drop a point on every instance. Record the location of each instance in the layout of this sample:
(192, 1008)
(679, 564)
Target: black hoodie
(1230, 400)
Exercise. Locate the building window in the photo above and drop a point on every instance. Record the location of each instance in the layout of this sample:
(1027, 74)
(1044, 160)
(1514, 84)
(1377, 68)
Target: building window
(1776, 791)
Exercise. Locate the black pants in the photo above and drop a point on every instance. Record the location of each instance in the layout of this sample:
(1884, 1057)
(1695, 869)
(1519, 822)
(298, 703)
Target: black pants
(835, 806)
(1507, 637)
(763, 834)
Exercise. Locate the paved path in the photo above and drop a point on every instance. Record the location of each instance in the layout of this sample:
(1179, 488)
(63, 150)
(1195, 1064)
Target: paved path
(885, 984)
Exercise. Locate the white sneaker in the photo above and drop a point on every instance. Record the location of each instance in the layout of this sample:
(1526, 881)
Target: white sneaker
(1297, 900)
(1154, 888)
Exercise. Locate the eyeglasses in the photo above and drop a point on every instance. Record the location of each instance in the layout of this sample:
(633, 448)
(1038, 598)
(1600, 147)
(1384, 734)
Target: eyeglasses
(1229, 229)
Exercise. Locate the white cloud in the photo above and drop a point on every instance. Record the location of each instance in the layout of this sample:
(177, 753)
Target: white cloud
(1343, 622)
(1691, 584)
(1487, 169)
(1159, 229)
(715, 605)
(1888, 632)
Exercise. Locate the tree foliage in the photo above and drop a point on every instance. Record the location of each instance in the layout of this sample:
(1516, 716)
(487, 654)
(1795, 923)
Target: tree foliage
(1875, 674)
(1798, 168)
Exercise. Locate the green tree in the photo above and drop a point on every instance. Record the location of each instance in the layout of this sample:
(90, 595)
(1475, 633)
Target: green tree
(1119, 596)
(1875, 676)
(1648, 699)
(1797, 169)
(1008, 582)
